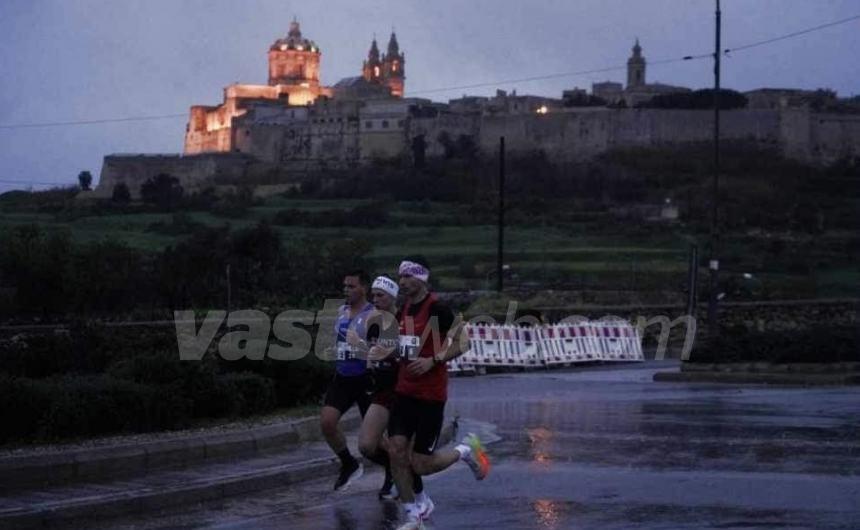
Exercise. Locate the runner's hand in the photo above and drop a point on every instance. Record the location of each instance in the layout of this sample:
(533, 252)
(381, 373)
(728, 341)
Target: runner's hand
(420, 366)
(352, 338)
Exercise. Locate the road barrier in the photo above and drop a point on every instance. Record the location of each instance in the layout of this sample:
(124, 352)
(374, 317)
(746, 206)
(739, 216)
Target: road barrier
(493, 345)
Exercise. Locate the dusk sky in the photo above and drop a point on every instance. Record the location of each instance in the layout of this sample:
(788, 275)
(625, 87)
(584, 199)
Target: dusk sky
(66, 61)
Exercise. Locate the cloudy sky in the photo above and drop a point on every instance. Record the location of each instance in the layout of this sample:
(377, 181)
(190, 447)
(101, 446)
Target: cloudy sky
(81, 60)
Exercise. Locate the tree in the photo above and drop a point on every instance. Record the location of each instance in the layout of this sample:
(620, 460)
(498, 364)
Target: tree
(85, 179)
(162, 190)
(121, 194)
(419, 146)
(581, 99)
(698, 99)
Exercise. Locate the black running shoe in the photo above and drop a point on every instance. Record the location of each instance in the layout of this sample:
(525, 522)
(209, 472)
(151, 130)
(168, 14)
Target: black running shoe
(388, 491)
(348, 474)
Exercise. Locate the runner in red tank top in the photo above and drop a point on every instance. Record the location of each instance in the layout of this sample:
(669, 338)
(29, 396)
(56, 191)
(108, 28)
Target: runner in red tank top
(429, 338)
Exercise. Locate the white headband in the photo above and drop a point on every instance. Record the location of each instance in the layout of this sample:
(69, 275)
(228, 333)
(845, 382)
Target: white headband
(409, 268)
(386, 284)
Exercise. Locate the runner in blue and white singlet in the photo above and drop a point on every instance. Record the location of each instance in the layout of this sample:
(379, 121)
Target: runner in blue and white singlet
(349, 385)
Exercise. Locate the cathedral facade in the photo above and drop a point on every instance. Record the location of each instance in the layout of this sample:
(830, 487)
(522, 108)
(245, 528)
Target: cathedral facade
(293, 81)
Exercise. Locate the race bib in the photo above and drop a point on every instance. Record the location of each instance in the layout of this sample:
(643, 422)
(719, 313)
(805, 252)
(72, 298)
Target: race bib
(409, 347)
(345, 352)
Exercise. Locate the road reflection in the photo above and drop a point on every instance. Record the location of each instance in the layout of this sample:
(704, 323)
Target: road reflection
(548, 513)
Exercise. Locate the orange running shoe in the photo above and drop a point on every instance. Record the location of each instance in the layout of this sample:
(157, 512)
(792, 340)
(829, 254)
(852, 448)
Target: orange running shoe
(476, 458)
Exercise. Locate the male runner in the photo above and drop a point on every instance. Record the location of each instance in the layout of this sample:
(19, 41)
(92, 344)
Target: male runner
(421, 390)
(349, 385)
(381, 347)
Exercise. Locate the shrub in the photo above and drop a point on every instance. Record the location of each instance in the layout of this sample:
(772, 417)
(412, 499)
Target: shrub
(121, 193)
(296, 382)
(822, 344)
(162, 190)
(71, 406)
(41, 355)
(94, 405)
(255, 394)
(23, 402)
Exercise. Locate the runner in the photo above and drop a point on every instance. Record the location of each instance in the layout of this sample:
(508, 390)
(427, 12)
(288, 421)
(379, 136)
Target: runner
(349, 385)
(421, 391)
(381, 346)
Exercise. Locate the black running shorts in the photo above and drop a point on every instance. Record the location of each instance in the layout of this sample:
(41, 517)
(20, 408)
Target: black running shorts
(382, 383)
(420, 418)
(345, 391)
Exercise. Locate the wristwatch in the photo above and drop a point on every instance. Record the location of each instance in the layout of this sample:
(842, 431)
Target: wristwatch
(437, 360)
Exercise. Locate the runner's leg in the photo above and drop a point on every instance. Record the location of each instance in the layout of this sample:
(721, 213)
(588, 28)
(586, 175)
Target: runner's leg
(401, 468)
(339, 398)
(401, 428)
(370, 440)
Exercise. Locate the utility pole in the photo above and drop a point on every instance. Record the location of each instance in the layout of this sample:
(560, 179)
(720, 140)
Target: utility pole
(229, 291)
(692, 279)
(501, 254)
(714, 265)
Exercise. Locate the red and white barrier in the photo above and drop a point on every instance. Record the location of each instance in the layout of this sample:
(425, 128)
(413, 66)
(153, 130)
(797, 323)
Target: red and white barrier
(555, 344)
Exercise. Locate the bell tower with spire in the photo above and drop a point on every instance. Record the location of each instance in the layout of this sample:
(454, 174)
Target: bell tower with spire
(387, 69)
(636, 67)
(394, 67)
(371, 70)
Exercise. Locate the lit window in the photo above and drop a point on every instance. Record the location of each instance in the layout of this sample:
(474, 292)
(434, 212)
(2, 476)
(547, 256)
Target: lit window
(375, 71)
(394, 66)
(283, 47)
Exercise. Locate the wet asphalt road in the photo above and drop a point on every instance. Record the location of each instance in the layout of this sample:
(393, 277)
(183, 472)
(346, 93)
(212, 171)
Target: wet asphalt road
(605, 447)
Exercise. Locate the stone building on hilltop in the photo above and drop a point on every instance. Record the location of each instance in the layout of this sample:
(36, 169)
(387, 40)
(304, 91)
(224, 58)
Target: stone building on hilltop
(293, 84)
(273, 134)
(637, 90)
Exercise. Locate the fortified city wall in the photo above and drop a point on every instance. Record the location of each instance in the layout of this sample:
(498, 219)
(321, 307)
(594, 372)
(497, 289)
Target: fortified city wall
(344, 138)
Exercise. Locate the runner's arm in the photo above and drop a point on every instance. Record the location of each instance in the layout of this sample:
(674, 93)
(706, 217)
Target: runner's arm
(455, 345)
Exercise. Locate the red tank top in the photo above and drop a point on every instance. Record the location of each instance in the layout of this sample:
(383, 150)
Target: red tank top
(433, 385)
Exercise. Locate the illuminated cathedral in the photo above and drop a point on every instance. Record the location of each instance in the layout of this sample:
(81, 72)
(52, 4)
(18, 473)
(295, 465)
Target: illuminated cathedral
(294, 80)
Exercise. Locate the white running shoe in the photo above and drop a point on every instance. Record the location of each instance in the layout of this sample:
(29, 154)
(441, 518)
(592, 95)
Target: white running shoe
(412, 517)
(425, 503)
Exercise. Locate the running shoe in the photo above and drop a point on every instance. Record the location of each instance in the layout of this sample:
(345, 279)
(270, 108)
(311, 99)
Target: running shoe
(348, 475)
(425, 504)
(477, 457)
(412, 518)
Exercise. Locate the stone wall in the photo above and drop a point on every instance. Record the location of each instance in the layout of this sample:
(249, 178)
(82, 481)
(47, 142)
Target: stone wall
(582, 133)
(339, 135)
(192, 171)
(453, 124)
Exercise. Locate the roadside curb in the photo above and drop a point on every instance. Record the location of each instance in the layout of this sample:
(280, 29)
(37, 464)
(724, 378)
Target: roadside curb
(786, 378)
(62, 514)
(121, 503)
(92, 464)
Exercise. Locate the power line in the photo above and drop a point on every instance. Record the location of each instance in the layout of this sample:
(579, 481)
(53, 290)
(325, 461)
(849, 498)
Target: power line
(90, 122)
(558, 75)
(794, 34)
(37, 183)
